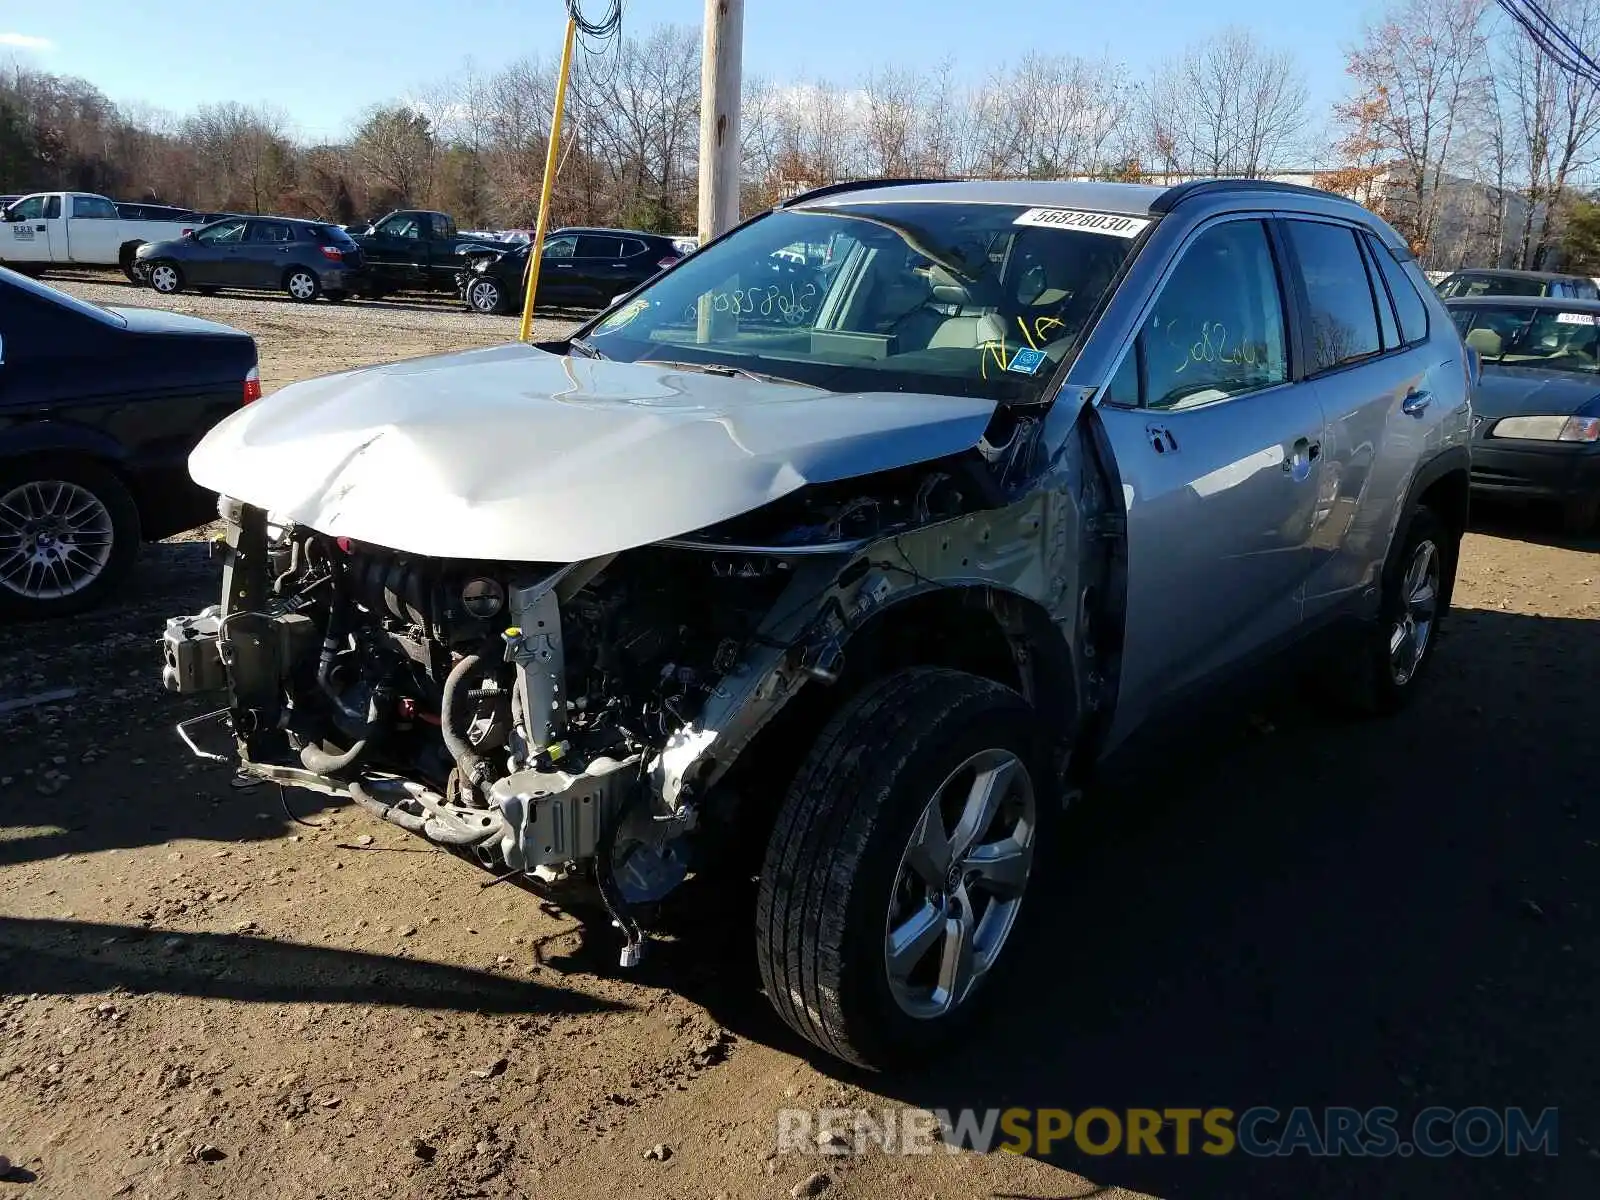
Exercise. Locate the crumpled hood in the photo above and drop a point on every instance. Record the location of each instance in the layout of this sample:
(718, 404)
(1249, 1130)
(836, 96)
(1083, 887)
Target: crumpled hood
(512, 453)
(1530, 391)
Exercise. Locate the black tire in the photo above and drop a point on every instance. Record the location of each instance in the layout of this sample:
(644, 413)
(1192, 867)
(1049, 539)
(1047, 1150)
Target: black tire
(1581, 514)
(834, 858)
(129, 263)
(488, 296)
(1374, 686)
(301, 285)
(165, 277)
(119, 506)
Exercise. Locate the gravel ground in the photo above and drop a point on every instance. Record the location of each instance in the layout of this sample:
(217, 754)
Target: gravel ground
(201, 996)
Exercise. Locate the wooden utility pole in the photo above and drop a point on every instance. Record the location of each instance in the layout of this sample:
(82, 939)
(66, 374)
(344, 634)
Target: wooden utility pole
(721, 66)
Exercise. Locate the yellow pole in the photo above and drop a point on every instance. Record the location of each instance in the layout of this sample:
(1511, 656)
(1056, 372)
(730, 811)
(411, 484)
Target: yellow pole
(536, 247)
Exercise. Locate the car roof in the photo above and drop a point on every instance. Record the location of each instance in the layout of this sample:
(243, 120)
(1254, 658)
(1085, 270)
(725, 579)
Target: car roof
(1509, 273)
(1563, 303)
(604, 229)
(1129, 199)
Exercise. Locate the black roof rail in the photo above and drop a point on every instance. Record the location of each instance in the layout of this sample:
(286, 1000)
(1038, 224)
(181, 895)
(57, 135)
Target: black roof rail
(831, 189)
(1178, 193)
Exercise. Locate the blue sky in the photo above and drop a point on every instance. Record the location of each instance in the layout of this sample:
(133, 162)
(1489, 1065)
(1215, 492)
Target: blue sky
(323, 62)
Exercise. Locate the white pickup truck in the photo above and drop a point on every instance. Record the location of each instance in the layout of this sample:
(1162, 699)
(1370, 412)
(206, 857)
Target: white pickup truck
(61, 228)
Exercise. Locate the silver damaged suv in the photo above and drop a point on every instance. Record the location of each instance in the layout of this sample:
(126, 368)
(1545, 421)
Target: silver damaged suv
(835, 557)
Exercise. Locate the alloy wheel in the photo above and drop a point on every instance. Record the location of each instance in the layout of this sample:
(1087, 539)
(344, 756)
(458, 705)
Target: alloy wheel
(55, 539)
(302, 286)
(1413, 628)
(960, 884)
(485, 296)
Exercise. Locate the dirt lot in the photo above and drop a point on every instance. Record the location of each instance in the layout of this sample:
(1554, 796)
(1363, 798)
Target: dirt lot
(200, 997)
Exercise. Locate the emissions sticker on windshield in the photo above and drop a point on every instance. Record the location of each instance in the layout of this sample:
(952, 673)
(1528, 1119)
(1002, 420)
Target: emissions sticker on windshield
(1574, 318)
(1089, 222)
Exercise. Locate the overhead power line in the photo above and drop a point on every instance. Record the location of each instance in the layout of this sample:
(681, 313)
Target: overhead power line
(1547, 34)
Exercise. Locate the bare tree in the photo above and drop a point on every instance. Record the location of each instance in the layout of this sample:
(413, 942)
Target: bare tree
(1419, 68)
(396, 149)
(1556, 119)
(1226, 106)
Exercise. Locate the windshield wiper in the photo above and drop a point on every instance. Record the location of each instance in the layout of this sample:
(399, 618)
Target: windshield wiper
(584, 348)
(726, 372)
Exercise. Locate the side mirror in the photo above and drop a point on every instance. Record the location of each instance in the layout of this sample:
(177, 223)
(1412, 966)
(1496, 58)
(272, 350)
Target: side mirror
(188, 233)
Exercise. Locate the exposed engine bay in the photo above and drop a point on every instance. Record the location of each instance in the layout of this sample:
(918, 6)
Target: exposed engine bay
(561, 722)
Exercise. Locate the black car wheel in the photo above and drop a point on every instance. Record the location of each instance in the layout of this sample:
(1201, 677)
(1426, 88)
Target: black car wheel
(69, 533)
(165, 277)
(894, 890)
(486, 296)
(301, 284)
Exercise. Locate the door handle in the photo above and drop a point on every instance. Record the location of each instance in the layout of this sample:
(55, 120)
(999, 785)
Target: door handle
(38, 228)
(1415, 402)
(1302, 454)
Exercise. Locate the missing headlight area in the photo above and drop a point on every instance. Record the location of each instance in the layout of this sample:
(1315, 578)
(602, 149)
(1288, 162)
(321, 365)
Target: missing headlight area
(565, 726)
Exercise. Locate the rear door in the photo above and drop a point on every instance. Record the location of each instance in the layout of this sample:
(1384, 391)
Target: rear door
(94, 231)
(27, 232)
(596, 260)
(1376, 377)
(1219, 452)
(265, 254)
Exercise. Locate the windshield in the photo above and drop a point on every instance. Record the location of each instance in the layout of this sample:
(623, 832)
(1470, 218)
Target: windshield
(1522, 337)
(959, 299)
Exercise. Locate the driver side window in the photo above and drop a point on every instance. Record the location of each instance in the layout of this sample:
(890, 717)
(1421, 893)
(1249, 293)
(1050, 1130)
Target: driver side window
(221, 234)
(1217, 329)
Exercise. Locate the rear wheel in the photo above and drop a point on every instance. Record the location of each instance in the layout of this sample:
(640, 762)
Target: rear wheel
(1417, 582)
(302, 285)
(900, 864)
(166, 277)
(69, 533)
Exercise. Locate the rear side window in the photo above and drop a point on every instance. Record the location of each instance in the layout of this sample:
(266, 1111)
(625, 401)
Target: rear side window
(270, 232)
(96, 208)
(590, 246)
(1344, 316)
(331, 234)
(1217, 327)
(632, 246)
(1409, 307)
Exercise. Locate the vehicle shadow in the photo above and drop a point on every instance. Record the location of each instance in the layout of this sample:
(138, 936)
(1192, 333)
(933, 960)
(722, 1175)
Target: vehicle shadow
(83, 958)
(1539, 524)
(1296, 910)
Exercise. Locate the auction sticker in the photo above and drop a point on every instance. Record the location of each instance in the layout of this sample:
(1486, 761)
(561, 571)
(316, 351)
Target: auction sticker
(1088, 222)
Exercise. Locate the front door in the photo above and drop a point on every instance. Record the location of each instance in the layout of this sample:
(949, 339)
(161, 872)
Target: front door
(1220, 457)
(94, 230)
(218, 257)
(26, 236)
(560, 280)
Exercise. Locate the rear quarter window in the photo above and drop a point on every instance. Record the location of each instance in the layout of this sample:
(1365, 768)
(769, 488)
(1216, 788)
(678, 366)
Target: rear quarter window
(1409, 307)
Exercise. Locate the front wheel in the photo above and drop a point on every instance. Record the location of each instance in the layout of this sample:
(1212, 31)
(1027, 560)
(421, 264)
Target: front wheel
(69, 533)
(302, 285)
(900, 866)
(486, 296)
(166, 277)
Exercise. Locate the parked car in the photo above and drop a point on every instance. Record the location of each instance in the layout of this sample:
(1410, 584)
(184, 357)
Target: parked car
(305, 259)
(583, 267)
(58, 228)
(851, 604)
(140, 211)
(99, 409)
(1536, 424)
(1464, 284)
(417, 250)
